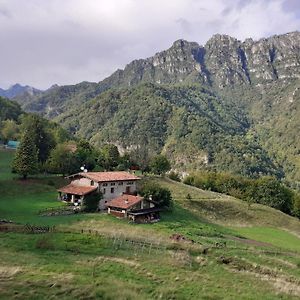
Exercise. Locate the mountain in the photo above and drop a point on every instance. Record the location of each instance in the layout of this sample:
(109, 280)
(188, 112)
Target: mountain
(255, 82)
(194, 128)
(18, 90)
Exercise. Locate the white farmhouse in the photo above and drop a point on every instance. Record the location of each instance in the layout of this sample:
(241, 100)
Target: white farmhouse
(110, 184)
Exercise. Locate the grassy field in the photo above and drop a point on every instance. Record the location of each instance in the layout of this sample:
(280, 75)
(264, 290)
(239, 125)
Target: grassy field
(235, 253)
(6, 157)
(277, 237)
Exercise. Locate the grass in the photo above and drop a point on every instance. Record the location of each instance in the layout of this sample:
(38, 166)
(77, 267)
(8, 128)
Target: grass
(6, 157)
(68, 264)
(226, 210)
(82, 266)
(274, 236)
(21, 200)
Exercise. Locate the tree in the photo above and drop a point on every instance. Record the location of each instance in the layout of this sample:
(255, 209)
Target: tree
(10, 130)
(26, 159)
(62, 161)
(159, 164)
(109, 157)
(140, 157)
(269, 191)
(91, 202)
(42, 137)
(85, 155)
(296, 205)
(160, 196)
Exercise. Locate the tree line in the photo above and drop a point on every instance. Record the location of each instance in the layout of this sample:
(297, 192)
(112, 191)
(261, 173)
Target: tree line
(46, 147)
(265, 190)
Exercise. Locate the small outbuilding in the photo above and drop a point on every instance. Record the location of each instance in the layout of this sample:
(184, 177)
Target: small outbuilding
(12, 145)
(135, 208)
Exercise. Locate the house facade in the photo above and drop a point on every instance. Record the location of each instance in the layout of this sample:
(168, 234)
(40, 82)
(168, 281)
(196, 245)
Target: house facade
(110, 184)
(135, 208)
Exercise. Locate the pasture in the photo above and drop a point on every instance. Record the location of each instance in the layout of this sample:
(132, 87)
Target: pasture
(229, 252)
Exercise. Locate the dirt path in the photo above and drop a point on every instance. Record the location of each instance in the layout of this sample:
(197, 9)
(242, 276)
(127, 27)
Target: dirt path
(249, 241)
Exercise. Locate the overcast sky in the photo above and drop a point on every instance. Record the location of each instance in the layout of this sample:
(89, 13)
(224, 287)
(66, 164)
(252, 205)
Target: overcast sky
(44, 42)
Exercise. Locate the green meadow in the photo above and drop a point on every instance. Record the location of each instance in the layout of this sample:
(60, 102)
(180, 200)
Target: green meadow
(229, 251)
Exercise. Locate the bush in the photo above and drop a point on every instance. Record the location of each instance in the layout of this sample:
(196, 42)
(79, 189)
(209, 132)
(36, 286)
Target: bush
(296, 205)
(159, 195)
(174, 176)
(189, 197)
(91, 202)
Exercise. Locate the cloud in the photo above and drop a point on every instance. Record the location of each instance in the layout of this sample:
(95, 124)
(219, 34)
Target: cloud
(53, 41)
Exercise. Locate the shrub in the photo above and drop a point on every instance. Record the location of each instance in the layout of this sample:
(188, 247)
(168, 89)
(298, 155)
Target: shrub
(188, 197)
(174, 176)
(91, 202)
(296, 205)
(159, 195)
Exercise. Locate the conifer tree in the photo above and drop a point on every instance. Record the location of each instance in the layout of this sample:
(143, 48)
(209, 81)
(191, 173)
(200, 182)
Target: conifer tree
(26, 159)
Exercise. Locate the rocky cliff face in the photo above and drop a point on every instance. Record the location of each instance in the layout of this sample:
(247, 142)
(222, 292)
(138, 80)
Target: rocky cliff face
(223, 61)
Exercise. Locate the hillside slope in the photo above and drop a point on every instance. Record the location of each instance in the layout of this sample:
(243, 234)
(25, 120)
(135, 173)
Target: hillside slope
(188, 123)
(9, 110)
(99, 256)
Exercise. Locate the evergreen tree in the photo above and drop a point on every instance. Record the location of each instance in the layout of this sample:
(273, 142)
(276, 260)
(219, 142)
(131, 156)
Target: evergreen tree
(42, 138)
(26, 159)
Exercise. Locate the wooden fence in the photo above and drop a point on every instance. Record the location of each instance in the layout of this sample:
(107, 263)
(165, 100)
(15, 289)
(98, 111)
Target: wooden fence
(28, 229)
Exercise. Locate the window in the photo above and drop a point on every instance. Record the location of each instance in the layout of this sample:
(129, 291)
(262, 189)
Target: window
(104, 184)
(112, 190)
(120, 183)
(130, 182)
(104, 190)
(92, 182)
(113, 183)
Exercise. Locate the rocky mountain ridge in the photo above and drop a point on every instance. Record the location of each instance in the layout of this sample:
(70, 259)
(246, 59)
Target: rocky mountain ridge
(223, 62)
(18, 90)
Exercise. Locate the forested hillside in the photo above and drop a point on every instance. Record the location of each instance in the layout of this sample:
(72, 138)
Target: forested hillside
(236, 106)
(188, 123)
(9, 110)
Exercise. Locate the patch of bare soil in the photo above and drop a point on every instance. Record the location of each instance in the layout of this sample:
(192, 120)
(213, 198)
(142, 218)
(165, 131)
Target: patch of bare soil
(7, 272)
(180, 238)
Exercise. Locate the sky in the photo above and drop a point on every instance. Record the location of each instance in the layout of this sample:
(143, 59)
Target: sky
(46, 42)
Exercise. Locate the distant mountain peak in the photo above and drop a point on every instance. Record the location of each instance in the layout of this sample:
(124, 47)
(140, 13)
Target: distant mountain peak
(17, 90)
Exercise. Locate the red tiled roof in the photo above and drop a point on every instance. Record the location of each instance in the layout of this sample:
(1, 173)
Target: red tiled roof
(108, 176)
(77, 189)
(125, 201)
